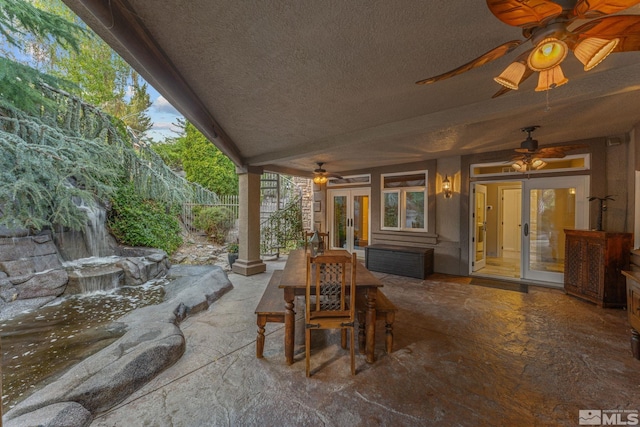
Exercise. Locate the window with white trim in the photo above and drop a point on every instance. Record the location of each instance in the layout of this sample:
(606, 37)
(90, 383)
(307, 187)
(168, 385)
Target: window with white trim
(404, 201)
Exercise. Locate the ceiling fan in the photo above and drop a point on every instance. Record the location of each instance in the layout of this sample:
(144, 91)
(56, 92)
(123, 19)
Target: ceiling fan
(530, 157)
(547, 25)
(321, 176)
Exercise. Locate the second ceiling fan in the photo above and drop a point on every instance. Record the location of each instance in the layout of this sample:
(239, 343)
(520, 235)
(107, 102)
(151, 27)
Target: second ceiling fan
(321, 176)
(530, 157)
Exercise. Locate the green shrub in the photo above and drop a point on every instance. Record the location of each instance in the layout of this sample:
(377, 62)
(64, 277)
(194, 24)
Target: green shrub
(216, 221)
(138, 222)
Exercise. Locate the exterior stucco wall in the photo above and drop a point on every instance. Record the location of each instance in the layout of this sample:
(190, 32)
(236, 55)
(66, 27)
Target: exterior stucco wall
(443, 215)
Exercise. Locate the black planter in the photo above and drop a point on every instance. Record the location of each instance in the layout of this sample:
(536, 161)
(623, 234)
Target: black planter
(232, 258)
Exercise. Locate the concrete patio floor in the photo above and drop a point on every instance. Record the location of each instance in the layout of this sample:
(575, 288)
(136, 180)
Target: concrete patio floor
(464, 355)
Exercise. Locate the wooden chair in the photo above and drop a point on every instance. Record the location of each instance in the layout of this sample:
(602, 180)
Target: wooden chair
(330, 299)
(324, 239)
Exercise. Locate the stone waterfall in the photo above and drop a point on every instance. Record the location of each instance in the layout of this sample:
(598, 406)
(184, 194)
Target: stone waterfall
(93, 241)
(34, 270)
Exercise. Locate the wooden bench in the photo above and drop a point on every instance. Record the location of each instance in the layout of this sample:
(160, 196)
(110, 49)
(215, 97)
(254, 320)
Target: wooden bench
(269, 309)
(399, 260)
(384, 310)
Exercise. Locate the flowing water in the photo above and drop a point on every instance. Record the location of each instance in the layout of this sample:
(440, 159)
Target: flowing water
(38, 347)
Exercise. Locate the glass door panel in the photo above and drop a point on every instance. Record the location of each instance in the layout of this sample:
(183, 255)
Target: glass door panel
(338, 234)
(480, 227)
(551, 205)
(360, 222)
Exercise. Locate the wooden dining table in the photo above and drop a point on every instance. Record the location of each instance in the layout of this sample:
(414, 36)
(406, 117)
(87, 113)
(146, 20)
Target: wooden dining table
(293, 282)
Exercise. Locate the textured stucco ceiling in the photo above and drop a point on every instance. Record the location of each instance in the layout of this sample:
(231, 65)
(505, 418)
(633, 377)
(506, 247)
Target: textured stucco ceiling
(288, 83)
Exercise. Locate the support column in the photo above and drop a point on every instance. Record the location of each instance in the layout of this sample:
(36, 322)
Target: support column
(249, 262)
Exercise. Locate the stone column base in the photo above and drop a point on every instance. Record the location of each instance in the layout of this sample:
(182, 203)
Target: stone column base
(248, 268)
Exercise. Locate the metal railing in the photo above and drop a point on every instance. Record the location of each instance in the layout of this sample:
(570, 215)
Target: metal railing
(280, 214)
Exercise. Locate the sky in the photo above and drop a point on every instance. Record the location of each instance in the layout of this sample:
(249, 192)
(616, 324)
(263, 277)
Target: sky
(164, 117)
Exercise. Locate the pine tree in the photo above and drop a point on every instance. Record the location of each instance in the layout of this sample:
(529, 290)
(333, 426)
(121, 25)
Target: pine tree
(19, 84)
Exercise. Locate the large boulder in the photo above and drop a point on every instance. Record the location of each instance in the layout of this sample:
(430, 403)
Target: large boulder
(143, 264)
(56, 415)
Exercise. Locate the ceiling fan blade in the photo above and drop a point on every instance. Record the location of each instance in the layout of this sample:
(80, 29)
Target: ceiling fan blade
(556, 152)
(523, 14)
(525, 151)
(494, 53)
(334, 175)
(588, 9)
(624, 27)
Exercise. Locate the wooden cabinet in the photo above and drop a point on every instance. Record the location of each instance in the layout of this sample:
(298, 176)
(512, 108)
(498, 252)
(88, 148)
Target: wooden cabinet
(633, 309)
(593, 266)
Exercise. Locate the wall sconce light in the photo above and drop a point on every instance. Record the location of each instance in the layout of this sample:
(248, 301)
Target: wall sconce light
(446, 187)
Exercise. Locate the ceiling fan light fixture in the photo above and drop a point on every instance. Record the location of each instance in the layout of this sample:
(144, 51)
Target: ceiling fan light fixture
(592, 51)
(519, 166)
(512, 75)
(538, 164)
(320, 179)
(550, 79)
(548, 54)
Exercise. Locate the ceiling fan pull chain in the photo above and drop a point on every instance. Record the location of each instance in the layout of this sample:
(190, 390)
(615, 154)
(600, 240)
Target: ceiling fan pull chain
(548, 107)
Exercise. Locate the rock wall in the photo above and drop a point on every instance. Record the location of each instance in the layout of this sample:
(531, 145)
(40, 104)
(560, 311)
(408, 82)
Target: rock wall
(31, 273)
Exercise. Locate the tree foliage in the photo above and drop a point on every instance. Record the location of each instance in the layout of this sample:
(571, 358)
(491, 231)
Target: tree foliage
(202, 161)
(142, 222)
(19, 19)
(20, 84)
(59, 152)
(45, 172)
(64, 49)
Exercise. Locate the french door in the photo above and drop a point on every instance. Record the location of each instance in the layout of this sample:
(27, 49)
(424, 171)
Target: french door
(549, 205)
(349, 219)
(534, 214)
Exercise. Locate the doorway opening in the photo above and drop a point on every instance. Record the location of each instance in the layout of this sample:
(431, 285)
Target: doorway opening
(518, 226)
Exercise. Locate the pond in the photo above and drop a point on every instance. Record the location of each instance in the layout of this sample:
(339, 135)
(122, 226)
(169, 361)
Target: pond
(39, 346)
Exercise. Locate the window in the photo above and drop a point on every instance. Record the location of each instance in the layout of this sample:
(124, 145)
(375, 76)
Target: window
(349, 180)
(404, 201)
(575, 162)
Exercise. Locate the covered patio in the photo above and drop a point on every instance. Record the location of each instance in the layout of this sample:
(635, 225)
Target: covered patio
(463, 355)
(280, 86)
